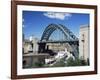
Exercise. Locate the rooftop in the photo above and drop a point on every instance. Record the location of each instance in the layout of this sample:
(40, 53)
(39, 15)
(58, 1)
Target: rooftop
(84, 26)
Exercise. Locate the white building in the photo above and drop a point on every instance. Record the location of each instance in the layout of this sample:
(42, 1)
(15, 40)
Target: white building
(35, 44)
(27, 46)
(30, 45)
(84, 42)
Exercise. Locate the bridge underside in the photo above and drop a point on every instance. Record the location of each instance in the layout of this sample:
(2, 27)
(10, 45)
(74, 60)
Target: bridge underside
(70, 42)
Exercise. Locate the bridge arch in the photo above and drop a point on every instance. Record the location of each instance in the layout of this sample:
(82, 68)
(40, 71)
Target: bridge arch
(71, 39)
(52, 27)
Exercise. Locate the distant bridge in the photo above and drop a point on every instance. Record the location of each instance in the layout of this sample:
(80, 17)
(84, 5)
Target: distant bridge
(52, 27)
(69, 37)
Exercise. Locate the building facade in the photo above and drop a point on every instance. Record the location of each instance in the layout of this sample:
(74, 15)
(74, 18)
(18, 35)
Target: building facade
(84, 42)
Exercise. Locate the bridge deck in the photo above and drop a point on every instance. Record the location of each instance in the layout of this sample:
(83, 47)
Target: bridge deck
(58, 41)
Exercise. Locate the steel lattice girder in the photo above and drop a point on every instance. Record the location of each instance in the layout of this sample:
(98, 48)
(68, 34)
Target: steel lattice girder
(52, 27)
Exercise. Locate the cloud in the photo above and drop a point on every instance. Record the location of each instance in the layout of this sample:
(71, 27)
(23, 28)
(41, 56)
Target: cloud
(58, 15)
(23, 23)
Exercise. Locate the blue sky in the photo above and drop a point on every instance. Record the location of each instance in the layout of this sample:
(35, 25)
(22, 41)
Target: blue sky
(35, 22)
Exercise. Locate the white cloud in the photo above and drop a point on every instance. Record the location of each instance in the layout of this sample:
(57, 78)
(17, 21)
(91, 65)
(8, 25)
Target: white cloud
(23, 23)
(58, 15)
(23, 26)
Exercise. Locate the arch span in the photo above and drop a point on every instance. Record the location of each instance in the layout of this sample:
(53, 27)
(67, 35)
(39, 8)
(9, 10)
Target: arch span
(71, 39)
(52, 27)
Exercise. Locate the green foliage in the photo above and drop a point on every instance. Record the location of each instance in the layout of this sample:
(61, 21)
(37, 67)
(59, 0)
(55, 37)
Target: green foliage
(63, 63)
(76, 62)
(39, 64)
(70, 62)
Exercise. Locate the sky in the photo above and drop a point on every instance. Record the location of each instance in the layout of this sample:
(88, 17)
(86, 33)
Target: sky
(35, 22)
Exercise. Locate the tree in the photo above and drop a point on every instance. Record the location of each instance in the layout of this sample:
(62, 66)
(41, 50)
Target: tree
(76, 62)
